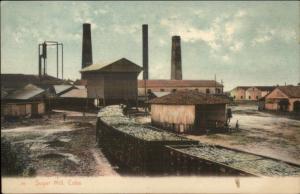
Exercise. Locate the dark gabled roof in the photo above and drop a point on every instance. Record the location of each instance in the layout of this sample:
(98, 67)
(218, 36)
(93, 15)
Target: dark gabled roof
(178, 83)
(290, 91)
(17, 81)
(28, 92)
(242, 87)
(188, 98)
(121, 65)
(261, 88)
(265, 88)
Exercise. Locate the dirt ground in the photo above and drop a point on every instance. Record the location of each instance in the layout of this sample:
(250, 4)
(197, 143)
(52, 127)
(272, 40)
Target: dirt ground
(61, 148)
(259, 132)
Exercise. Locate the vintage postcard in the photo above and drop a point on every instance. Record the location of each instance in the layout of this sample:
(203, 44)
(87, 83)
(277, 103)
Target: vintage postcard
(150, 97)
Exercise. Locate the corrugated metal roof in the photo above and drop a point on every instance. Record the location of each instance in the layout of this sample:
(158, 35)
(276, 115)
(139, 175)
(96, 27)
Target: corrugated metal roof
(188, 98)
(61, 88)
(121, 65)
(28, 92)
(178, 83)
(76, 93)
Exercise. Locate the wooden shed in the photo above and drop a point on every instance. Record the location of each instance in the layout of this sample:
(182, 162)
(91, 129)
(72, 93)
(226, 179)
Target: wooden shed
(112, 83)
(24, 102)
(188, 111)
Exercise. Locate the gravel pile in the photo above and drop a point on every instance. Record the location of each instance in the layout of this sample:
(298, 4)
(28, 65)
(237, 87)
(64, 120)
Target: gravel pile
(245, 161)
(114, 117)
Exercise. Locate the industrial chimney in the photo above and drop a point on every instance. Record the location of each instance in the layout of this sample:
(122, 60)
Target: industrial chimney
(176, 72)
(145, 52)
(87, 58)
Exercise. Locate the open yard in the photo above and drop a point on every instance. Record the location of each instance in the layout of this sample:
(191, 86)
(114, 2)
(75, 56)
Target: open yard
(60, 148)
(261, 133)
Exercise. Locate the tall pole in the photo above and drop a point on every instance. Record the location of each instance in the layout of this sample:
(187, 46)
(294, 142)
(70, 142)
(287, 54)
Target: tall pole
(62, 61)
(57, 60)
(40, 62)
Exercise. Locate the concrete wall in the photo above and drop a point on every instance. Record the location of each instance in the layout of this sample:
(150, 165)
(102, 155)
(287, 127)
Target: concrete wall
(176, 117)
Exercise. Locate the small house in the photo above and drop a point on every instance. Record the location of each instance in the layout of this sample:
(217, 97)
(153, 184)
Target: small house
(283, 98)
(24, 102)
(188, 111)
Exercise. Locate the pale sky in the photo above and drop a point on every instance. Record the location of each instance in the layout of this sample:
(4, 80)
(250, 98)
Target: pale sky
(243, 43)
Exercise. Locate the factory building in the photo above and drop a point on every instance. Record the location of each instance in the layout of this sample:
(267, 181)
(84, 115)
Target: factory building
(204, 86)
(112, 83)
(250, 93)
(158, 87)
(188, 111)
(283, 98)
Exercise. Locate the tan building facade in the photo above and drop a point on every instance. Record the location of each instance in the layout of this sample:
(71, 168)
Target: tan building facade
(203, 86)
(250, 93)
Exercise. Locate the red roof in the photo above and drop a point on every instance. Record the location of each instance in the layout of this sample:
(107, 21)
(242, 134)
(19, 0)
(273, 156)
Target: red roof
(178, 83)
(190, 97)
(290, 91)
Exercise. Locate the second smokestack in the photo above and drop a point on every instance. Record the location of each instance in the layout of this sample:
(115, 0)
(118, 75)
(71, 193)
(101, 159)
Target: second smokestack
(176, 71)
(145, 52)
(87, 57)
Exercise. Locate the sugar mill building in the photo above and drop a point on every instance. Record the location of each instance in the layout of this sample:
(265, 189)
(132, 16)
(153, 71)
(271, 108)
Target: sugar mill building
(176, 83)
(204, 86)
(283, 98)
(188, 111)
(250, 93)
(114, 82)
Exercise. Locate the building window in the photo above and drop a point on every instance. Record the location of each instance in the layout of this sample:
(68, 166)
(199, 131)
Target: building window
(233, 97)
(149, 91)
(197, 89)
(162, 90)
(241, 97)
(218, 90)
(256, 97)
(207, 91)
(174, 90)
(249, 97)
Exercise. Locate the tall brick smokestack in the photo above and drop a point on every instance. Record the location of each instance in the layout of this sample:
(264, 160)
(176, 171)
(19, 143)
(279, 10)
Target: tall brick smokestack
(145, 52)
(87, 57)
(176, 71)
